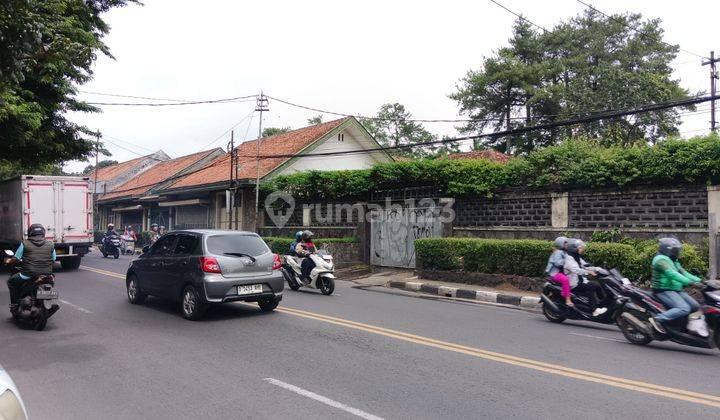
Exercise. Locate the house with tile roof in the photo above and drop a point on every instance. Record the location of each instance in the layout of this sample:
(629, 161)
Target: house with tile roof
(189, 195)
(132, 203)
(109, 177)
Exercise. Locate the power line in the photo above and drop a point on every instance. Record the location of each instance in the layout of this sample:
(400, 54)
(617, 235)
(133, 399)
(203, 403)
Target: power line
(634, 29)
(210, 101)
(519, 16)
(116, 95)
(650, 108)
(130, 143)
(230, 129)
(521, 130)
(134, 152)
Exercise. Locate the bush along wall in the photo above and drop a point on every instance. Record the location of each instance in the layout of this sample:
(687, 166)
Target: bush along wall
(528, 257)
(282, 245)
(574, 164)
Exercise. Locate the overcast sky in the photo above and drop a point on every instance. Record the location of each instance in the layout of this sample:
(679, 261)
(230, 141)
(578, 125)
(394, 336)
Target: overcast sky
(339, 56)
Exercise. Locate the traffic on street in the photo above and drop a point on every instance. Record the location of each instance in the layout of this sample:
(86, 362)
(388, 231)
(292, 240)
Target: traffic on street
(366, 352)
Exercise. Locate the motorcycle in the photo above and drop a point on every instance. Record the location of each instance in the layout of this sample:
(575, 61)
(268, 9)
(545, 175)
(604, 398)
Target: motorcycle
(699, 329)
(321, 276)
(111, 246)
(612, 284)
(38, 299)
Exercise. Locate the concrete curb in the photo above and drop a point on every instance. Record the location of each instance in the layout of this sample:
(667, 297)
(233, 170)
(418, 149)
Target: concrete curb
(530, 302)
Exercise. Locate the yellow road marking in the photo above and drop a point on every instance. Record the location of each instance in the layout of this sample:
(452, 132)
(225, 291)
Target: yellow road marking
(104, 272)
(584, 375)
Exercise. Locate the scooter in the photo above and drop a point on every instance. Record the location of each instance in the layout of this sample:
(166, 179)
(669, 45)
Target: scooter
(699, 329)
(38, 299)
(611, 287)
(321, 277)
(111, 246)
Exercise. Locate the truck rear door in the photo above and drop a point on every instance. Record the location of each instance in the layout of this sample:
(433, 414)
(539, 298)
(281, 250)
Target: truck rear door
(75, 218)
(40, 202)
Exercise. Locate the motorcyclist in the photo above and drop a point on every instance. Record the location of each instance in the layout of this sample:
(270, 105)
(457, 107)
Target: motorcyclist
(36, 255)
(668, 280)
(110, 230)
(577, 270)
(298, 237)
(304, 249)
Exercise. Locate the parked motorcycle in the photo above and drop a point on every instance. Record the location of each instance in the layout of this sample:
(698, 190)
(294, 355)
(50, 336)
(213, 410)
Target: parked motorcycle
(612, 284)
(38, 299)
(699, 329)
(111, 246)
(321, 277)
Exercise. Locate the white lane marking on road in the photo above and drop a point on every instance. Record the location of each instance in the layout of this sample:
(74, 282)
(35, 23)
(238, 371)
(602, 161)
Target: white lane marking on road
(79, 308)
(598, 338)
(324, 400)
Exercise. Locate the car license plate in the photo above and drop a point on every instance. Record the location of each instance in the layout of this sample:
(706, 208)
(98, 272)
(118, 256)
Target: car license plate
(46, 294)
(249, 289)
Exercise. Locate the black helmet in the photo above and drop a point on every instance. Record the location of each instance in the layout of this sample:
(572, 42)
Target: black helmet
(36, 229)
(307, 235)
(670, 247)
(574, 245)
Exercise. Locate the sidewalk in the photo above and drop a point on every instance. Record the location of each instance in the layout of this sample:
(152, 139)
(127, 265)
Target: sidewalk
(407, 280)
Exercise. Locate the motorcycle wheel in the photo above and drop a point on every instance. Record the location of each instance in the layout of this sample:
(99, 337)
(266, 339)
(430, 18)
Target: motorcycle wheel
(41, 320)
(268, 305)
(631, 334)
(104, 254)
(327, 285)
(551, 315)
(116, 255)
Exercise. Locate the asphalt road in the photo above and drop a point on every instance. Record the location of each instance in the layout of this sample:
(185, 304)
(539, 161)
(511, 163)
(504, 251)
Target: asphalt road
(361, 353)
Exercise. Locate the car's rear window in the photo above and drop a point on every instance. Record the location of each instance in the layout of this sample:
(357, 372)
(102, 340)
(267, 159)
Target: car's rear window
(245, 244)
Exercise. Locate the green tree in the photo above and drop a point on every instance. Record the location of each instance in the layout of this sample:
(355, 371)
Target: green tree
(315, 120)
(589, 64)
(274, 131)
(102, 164)
(393, 127)
(46, 48)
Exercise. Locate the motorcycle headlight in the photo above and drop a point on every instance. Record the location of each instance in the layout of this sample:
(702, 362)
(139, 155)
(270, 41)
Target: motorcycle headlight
(10, 407)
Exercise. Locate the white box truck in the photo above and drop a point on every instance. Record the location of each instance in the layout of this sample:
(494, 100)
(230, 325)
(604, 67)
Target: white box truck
(63, 204)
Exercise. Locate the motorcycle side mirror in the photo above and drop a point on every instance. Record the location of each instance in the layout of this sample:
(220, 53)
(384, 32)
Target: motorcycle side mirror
(145, 249)
(9, 253)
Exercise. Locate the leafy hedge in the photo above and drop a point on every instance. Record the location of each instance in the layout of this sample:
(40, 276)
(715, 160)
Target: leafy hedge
(573, 164)
(280, 245)
(529, 257)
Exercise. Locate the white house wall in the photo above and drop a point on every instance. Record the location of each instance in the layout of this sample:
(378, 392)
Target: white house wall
(354, 139)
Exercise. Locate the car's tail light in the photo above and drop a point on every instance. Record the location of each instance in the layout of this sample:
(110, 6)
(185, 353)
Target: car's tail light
(209, 265)
(277, 264)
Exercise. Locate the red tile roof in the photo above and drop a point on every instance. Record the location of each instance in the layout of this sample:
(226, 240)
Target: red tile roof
(286, 143)
(489, 154)
(113, 171)
(143, 183)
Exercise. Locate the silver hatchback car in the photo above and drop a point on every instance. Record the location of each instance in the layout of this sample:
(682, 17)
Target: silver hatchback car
(202, 267)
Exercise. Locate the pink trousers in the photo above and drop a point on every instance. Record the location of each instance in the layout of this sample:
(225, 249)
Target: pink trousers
(564, 282)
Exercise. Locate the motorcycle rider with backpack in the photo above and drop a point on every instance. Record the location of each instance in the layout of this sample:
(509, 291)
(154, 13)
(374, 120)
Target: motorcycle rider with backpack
(36, 255)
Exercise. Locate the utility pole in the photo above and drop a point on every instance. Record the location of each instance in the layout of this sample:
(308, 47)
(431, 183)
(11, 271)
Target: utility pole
(97, 158)
(713, 77)
(230, 196)
(262, 105)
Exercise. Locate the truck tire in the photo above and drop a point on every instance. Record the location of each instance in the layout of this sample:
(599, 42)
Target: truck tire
(70, 263)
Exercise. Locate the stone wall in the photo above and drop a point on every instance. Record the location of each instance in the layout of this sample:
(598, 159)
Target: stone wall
(504, 210)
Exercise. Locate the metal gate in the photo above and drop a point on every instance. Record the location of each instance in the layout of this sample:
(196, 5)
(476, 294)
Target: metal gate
(393, 232)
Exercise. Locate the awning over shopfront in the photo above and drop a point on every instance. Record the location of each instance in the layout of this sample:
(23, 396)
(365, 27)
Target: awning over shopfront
(128, 208)
(191, 202)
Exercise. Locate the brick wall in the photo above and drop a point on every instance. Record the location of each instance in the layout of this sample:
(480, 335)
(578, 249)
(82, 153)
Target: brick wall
(504, 210)
(662, 209)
